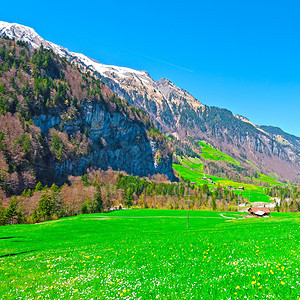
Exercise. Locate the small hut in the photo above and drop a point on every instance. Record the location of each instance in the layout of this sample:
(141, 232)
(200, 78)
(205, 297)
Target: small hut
(259, 211)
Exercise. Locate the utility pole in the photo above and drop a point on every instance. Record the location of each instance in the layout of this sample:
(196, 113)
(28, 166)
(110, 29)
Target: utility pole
(189, 200)
(188, 212)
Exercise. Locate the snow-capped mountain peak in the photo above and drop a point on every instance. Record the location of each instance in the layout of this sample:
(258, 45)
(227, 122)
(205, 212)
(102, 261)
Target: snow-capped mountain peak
(29, 35)
(14, 30)
(150, 93)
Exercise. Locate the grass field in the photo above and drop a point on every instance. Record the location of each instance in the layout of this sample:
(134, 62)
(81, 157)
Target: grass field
(252, 192)
(150, 254)
(268, 179)
(209, 152)
(191, 163)
(192, 169)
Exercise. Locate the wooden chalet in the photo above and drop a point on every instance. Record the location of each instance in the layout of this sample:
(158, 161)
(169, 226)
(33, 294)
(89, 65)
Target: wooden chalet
(259, 211)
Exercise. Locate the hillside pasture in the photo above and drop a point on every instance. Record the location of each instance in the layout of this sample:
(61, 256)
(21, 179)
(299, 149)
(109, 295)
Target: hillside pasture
(253, 193)
(210, 152)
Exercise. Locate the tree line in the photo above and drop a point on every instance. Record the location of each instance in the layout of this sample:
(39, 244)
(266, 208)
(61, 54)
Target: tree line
(102, 191)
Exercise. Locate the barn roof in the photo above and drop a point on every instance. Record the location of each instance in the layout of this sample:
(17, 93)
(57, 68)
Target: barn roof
(256, 209)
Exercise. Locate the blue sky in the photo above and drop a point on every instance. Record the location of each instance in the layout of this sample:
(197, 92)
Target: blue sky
(239, 55)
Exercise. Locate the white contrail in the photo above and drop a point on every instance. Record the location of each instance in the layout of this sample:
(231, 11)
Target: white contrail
(162, 61)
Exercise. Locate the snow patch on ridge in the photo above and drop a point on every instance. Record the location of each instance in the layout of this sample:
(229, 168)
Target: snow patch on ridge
(27, 34)
(122, 72)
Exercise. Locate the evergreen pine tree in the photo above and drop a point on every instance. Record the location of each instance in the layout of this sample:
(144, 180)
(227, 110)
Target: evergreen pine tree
(98, 200)
(2, 214)
(214, 206)
(46, 206)
(129, 197)
(10, 215)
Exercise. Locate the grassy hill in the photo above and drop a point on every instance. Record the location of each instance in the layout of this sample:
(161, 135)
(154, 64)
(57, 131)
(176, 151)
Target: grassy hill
(210, 152)
(150, 253)
(253, 193)
(191, 168)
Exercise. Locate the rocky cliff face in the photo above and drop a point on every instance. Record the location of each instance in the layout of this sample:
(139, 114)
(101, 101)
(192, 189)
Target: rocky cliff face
(235, 135)
(114, 142)
(174, 111)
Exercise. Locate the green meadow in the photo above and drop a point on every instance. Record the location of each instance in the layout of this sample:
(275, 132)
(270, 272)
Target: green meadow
(253, 193)
(268, 179)
(192, 169)
(151, 254)
(194, 163)
(209, 152)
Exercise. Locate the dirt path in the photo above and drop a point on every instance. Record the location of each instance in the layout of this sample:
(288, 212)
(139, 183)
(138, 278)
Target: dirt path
(227, 217)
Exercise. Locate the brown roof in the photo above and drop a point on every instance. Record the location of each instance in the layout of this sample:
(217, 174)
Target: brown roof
(255, 209)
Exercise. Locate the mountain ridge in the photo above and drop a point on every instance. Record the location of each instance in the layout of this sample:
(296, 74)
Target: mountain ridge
(174, 111)
(56, 122)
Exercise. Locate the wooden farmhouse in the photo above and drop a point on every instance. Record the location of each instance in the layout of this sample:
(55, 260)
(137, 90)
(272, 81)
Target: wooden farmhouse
(259, 211)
